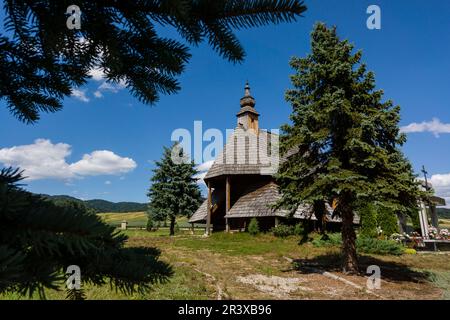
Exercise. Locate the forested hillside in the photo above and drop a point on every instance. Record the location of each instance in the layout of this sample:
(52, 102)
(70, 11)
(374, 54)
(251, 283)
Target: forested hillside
(100, 205)
(443, 213)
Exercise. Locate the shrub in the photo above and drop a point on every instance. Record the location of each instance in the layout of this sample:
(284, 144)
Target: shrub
(410, 251)
(282, 231)
(368, 217)
(328, 240)
(363, 245)
(253, 227)
(376, 246)
(387, 220)
(299, 229)
(150, 225)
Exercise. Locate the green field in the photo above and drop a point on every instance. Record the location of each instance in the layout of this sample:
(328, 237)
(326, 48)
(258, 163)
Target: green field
(134, 219)
(444, 223)
(138, 219)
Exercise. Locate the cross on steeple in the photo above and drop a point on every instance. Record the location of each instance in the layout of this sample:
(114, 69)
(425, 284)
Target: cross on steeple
(247, 90)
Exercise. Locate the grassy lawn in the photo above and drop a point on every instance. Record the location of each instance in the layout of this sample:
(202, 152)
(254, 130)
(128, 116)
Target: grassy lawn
(241, 266)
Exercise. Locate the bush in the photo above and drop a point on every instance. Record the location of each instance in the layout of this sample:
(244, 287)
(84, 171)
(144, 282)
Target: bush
(299, 230)
(363, 245)
(282, 231)
(375, 246)
(387, 220)
(150, 225)
(368, 217)
(410, 251)
(253, 227)
(328, 240)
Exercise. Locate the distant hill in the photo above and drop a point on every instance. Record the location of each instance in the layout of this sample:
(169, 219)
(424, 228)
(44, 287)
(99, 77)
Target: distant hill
(101, 206)
(443, 213)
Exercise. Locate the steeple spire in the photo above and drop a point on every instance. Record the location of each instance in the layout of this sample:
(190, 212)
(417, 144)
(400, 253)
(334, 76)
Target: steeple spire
(247, 116)
(247, 99)
(247, 90)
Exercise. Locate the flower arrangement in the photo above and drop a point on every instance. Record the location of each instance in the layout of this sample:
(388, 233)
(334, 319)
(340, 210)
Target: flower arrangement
(416, 239)
(433, 233)
(436, 234)
(444, 234)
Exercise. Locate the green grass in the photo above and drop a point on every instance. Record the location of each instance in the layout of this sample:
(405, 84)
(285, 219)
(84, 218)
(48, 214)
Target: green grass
(243, 244)
(442, 280)
(161, 232)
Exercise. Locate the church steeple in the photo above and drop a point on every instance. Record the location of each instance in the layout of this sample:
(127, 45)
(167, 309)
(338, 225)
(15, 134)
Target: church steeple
(247, 117)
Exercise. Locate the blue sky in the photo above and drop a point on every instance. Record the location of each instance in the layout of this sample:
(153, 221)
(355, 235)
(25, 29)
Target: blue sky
(409, 55)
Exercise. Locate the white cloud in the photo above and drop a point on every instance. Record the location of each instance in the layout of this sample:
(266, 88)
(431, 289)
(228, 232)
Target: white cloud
(40, 160)
(80, 95)
(97, 73)
(45, 160)
(107, 182)
(102, 162)
(435, 126)
(98, 94)
(441, 185)
(203, 170)
(112, 87)
(205, 166)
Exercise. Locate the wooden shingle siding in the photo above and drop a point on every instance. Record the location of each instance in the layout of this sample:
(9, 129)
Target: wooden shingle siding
(241, 156)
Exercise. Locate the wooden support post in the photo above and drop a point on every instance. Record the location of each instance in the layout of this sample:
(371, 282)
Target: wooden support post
(208, 217)
(434, 216)
(227, 203)
(192, 228)
(423, 220)
(277, 221)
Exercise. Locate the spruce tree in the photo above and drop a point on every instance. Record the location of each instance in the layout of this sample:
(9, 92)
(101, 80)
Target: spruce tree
(174, 190)
(41, 59)
(39, 239)
(343, 141)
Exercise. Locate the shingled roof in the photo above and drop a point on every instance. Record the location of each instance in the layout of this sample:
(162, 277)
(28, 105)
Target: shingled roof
(200, 214)
(258, 203)
(247, 153)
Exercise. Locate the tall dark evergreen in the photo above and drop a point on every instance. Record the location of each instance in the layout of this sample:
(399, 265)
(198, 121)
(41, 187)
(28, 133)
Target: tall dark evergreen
(39, 239)
(343, 140)
(174, 190)
(41, 59)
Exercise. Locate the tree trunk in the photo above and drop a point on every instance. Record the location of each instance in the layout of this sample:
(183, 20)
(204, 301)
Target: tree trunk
(320, 213)
(172, 226)
(350, 261)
